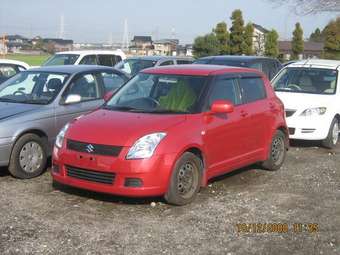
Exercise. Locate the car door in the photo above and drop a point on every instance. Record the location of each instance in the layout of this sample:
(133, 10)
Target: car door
(226, 135)
(90, 91)
(256, 112)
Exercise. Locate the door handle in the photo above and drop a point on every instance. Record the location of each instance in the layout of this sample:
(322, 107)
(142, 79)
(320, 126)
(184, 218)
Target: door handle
(244, 114)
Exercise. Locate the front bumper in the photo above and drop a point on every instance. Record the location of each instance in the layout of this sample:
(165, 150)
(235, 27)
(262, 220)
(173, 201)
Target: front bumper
(309, 128)
(5, 150)
(154, 173)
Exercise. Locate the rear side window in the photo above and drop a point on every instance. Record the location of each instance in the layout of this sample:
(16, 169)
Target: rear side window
(225, 89)
(183, 62)
(167, 63)
(105, 60)
(252, 89)
(89, 60)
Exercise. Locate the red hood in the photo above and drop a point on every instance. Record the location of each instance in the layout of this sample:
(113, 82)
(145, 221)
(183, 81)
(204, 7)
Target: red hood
(119, 128)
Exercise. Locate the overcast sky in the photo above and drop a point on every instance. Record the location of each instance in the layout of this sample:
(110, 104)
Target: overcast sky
(96, 20)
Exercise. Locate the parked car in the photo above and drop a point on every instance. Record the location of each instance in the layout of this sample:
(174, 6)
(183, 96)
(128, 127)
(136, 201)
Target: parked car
(9, 68)
(169, 130)
(309, 91)
(133, 65)
(269, 66)
(36, 104)
(86, 57)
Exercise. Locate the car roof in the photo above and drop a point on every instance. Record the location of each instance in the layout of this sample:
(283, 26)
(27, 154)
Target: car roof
(88, 52)
(198, 70)
(237, 58)
(326, 63)
(157, 58)
(14, 62)
(71, 69)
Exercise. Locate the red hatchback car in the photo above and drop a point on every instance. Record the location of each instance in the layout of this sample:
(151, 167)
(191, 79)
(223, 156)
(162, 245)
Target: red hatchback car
(171, 129)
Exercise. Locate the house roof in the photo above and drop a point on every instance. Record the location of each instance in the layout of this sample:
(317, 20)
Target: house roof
(308, 46)
(57, 40)
(261, 28)
(142, 38)
(167, 41)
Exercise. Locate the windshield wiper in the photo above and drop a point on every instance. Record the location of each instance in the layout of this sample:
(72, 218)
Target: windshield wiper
(122, 108)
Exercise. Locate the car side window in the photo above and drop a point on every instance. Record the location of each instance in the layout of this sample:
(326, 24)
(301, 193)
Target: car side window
(225, 89)
(86, 86)
(252, 89)
(7, 71)
(112, 81)
(167, 63)
(105, 60)
(89, 60)
(184, 62)
(116, 59)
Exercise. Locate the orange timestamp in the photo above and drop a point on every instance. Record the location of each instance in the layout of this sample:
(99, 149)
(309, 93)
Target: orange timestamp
(280, 228)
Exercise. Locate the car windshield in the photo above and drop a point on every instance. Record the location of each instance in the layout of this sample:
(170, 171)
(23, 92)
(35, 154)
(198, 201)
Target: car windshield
(32, 87)
(306, 80)
(133, 66)
(158, 93)
(61, 59)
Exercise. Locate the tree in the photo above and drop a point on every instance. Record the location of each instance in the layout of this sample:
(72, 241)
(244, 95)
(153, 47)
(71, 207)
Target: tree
(206, 46)
(316, 36)
(271, 44)
(332, 39)
(222, 36)
(248, 42)
(305, 7)
(236, 33)
(297, 42)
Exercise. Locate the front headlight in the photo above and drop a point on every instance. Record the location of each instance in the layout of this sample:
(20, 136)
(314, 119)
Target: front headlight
(60, 137)
(145, 146)
(314, 111)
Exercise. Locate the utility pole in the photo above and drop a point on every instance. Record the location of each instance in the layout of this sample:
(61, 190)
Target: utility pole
(126, 43)
(62, 27)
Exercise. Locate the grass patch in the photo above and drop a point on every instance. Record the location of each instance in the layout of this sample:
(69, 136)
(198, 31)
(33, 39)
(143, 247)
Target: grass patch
(32, 60)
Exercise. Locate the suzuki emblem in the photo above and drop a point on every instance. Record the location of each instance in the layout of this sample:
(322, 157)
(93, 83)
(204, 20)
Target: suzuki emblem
(90, 148)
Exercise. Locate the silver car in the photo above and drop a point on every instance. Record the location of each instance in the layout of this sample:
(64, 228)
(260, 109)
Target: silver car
(36, 104)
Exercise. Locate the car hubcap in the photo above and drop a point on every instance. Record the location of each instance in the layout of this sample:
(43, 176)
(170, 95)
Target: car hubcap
(278, 148)
(31, 157)
(335, 133)
(187, 180)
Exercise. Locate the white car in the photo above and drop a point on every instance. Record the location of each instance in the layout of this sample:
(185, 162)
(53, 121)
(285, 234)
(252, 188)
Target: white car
(9, 68)
(86, 57)
(309, 91)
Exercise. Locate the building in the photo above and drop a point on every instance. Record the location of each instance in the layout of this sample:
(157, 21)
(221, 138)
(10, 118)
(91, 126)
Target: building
(185, 50)
(142, 45)
(58, 44)
(165, 47)
(311, 50)
(259, 39)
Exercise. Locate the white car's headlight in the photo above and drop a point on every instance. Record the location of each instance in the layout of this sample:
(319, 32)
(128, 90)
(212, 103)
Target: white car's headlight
(145, 146)
(314, 111)
(60, 137)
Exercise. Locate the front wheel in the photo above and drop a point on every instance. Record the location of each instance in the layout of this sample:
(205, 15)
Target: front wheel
(28, 158)
(333, 135)
(185, 180)
(277, 152)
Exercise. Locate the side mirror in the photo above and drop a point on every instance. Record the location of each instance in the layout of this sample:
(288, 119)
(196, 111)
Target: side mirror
(222, 106)
(71, 99)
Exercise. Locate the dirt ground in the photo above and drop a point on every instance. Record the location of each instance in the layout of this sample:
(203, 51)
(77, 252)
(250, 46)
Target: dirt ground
(37, 218)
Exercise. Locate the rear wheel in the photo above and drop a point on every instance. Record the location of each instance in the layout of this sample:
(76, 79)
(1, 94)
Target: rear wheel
(28, 158)
(185, 180)
(277, 152)
(333, 135)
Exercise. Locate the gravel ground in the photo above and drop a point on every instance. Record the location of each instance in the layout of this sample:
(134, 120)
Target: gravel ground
(37, 218)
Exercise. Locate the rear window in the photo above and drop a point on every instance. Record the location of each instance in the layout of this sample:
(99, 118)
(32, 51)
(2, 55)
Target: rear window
(252, 89)
(184, 62)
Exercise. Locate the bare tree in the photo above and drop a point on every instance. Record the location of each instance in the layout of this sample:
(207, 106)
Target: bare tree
(305, 7)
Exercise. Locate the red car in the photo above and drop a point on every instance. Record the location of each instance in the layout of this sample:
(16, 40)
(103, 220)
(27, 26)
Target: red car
(171, 129)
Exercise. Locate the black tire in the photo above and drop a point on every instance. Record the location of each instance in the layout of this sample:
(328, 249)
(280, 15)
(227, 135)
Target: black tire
(277, 152)
(176, 193)
(331, 141)
(15, 167)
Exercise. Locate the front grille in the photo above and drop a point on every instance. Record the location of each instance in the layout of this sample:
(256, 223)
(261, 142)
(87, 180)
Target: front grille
(291, 131)
(90, 175)
(290, 113)
(98, 149)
